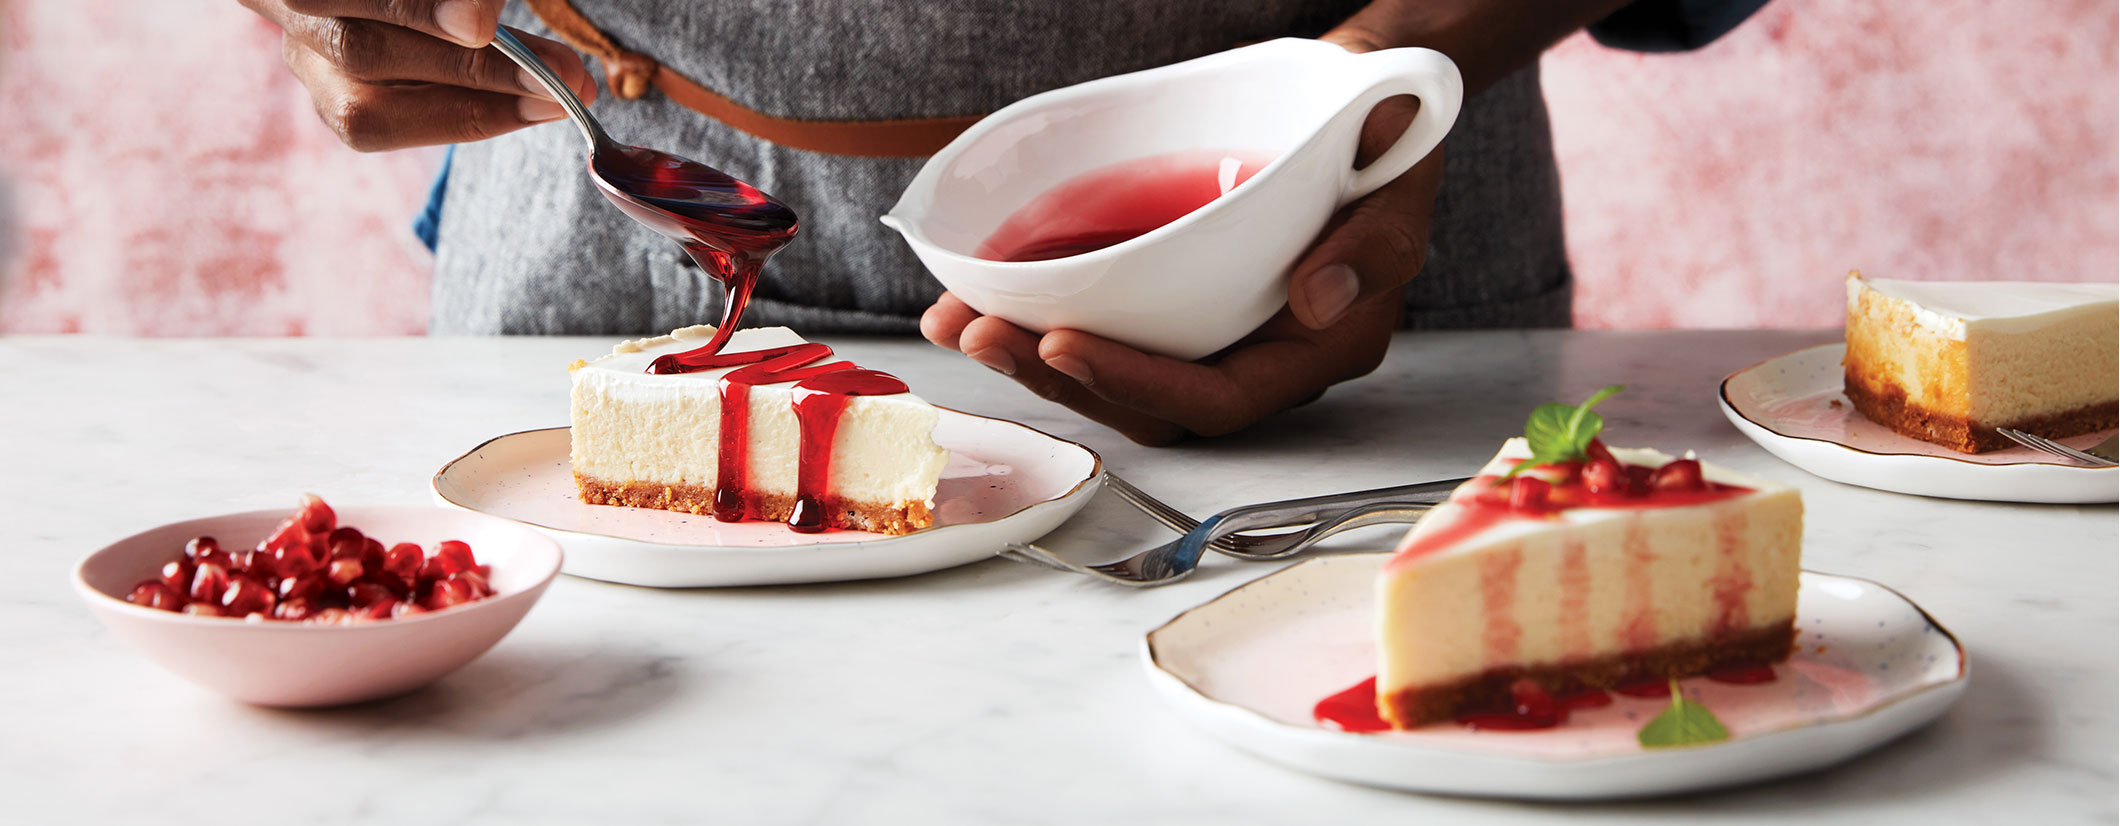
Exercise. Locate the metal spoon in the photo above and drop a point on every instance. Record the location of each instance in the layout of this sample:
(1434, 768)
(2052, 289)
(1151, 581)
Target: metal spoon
(729, 227)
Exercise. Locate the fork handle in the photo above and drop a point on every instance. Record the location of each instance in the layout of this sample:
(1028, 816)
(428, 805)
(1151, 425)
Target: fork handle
(1307, 510)
(1312, 508)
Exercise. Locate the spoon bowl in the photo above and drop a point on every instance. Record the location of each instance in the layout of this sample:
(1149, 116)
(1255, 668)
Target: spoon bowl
(729, 227)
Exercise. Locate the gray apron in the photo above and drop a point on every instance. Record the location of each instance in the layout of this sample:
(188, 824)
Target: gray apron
(527, 245)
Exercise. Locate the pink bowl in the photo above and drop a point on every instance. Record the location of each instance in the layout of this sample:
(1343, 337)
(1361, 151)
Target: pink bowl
(296, 664)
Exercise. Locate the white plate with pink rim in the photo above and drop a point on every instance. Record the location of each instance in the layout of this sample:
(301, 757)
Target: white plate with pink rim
(1793, 406)
(1004, 483)
(1251, 665)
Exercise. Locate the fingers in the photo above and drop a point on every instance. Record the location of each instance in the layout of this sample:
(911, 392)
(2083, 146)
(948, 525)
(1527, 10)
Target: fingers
(944, 322)
(1248, 383)
(372, 52)
(1382, 24)
(1370, 250)
(371, 117)
(469, 23)
(1156, 400)
(1013, 351)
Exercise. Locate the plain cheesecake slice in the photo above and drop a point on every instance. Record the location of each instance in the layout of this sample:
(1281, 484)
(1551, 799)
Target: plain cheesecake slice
(1690, 569)
(654, 441)
(1949, 362)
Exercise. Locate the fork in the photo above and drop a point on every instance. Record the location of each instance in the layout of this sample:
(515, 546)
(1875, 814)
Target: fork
(1299, 511)
(1177, 559)
(2098, 455)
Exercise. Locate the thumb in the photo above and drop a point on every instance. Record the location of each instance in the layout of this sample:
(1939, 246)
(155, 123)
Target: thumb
(1370, 249)
(469, 23)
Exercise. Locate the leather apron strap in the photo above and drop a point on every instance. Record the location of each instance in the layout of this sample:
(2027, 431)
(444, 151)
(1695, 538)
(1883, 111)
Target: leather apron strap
(630, 73)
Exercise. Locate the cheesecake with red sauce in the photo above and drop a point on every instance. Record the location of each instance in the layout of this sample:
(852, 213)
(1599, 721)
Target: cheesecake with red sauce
(1604, 568)
(767, 427)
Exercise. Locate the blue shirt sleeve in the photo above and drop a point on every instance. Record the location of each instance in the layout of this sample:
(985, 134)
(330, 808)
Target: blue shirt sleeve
(428, 224)
(1671, 25)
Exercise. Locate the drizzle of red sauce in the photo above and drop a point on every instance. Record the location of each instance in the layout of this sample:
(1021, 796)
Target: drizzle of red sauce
(1733, 576)
(1529, 707)
(1501, 633)
(1487, 501)
(1354, 709)
(821, 393)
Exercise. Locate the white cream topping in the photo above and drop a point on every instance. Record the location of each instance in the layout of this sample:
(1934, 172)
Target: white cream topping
(1952, 308)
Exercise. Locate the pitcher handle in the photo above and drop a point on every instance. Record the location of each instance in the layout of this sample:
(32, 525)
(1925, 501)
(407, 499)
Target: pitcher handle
(1423, 73)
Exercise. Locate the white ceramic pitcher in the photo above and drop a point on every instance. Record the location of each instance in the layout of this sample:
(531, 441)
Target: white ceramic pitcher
(1200, 283)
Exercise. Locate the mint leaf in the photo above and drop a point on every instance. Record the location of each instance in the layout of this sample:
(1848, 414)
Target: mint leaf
(1560, 433)
(1547, 429)
(1685, 723)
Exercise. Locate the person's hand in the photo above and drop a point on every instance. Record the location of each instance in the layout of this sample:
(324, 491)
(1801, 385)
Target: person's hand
(388, 74)
(1343, 303)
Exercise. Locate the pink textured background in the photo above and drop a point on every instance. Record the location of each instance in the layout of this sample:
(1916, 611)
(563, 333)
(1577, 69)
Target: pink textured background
(1732, 187)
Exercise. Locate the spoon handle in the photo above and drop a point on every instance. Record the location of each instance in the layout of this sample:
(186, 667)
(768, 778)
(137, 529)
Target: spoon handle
(516, 51)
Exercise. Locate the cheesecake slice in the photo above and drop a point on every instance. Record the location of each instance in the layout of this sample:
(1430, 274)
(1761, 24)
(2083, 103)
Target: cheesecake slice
(1949, 362)
(1623, 565)
(805, 447)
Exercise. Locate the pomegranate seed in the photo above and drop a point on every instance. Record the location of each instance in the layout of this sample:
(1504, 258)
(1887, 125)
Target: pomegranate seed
(331, 616)
(440, 566)
(200, 545)
(316, 516)
(1596, 450)
(258, 564)
(397, 587)
(477, 581)
(288, 534)
(201, 609)
(154, 594)
(1680, 474)
(458, 552)
(1529, 494)
(245, 596)
(306, 588)
(216, 556)
(1604, 476)
(1558, 473)
(404, 559)
(406, 608)
(208, 582)
(381, 609)
(362, 594)
(293, 562)
(448, 593)
(344, 571)
(371, 554)
(177, 575)
(346, 543)
(293, 610)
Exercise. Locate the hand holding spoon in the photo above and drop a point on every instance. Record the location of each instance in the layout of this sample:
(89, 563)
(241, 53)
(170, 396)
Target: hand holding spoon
(729, 227)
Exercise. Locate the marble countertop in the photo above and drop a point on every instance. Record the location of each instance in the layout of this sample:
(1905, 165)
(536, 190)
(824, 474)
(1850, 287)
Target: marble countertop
(992, 693)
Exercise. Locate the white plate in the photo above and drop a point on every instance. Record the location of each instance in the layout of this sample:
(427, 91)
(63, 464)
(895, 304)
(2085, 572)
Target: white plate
(1250, 666)
(1792, 405)
(1004, 483)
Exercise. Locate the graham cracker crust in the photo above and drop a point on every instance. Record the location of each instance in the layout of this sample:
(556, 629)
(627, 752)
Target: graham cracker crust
(1889, 407)
(1418, 706)
(894, 519)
